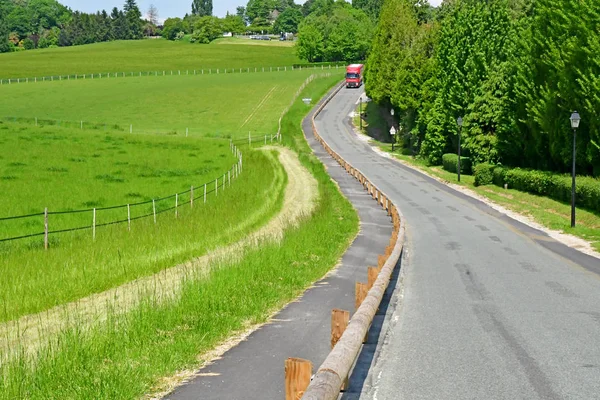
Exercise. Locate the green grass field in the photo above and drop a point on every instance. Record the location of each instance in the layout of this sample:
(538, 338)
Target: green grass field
(142, 55)
(132, 355)
(67, 169)
(224, 105)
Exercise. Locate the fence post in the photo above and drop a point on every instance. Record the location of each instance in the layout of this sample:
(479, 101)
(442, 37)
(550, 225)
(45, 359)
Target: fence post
(46, 228)
(94, 225)
(35, 121)
(81, 124)
(297, 377)
(216, 187)
(186, 132)
(192, 197)
(154, 210)
(224, 181)
(205, 193)
(128, 218)
(360, 293)
(131, 128)
(176, 204)
(339, 323)
(265, 140)
(229, 177)
(249, 139)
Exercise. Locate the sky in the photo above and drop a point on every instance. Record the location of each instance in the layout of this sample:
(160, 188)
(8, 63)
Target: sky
(166, 8)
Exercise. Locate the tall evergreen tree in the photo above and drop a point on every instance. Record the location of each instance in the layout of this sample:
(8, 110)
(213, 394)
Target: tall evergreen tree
(202, 8)
(133, 16)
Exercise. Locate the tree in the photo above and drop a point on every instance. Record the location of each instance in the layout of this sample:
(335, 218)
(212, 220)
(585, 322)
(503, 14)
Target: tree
(171, 28)
(134, 21)
(202, 8)
(233, 23)
(288, 20)
(5, 45)
(207, 29)
(152, 14)
(371, 7)
(310, 43)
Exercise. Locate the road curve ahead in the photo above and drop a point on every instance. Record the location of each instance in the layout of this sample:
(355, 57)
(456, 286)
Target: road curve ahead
(492, 309)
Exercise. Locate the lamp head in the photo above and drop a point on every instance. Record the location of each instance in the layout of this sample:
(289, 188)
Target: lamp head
(575, 120)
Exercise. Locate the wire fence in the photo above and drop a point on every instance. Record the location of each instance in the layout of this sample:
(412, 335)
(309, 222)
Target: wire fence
(156, 73)
(70, 220)
(116, 127)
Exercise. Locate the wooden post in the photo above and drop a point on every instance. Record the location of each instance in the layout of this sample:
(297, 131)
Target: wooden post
(94, 225)
(205, 193)
(216, 187)
(339, 322)
(46, 228)
(360, 292)
(154, 210)
(372, 276)
(128, 218)
(187, 131)
(130, 128)
(249, 139)
(176, 204)
(192, 197)
(297, 377)
(229, 177)
(265, 140)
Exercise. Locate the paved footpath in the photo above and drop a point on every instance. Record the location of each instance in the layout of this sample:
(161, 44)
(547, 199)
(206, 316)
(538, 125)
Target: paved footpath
(491, 308)
(255, 368)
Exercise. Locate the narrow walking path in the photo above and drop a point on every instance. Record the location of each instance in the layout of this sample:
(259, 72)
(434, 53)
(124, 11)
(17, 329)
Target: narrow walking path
(255, 368)
(32, 331)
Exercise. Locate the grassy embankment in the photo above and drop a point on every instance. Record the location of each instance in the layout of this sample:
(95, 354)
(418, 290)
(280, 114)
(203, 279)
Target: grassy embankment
(66, 170)
(221, 105)
(142, 55)
(129, 355)
(543, 210)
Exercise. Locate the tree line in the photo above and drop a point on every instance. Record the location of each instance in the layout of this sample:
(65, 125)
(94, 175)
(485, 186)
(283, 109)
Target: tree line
(514, 70)
(47, 23)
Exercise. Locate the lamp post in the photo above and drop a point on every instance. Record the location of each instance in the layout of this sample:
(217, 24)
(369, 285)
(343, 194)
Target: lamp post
(575, 120)
(459, 121)
(393, 130)
(360, 113)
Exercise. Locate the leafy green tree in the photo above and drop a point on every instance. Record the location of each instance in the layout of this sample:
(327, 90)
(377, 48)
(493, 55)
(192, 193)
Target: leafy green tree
(207, 29)
(371, 7)
(258, 12)
(5, 45)
(233, 23)
(288, 20)
(202, 8)
(310, 44)
(171, 28)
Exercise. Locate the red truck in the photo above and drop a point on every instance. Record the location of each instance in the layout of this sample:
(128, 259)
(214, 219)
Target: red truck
(354, 75)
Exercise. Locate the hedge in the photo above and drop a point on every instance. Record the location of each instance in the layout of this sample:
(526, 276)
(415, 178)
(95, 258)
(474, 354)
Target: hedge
(484, 174)
(450, 164)
(552, 185)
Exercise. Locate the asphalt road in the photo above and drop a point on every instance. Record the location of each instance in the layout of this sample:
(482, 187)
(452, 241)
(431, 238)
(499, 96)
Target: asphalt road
(255, 368)
(491, 308)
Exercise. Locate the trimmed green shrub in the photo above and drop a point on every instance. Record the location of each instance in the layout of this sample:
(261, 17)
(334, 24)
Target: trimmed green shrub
(484, 174)
(499, 176)
(450, 164)
(555, 186)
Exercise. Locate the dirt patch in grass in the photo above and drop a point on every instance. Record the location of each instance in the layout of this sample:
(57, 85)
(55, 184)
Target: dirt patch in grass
(32, 331)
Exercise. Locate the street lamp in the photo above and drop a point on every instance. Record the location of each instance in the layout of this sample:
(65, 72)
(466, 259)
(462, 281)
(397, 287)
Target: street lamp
(575, 120)
(360, 113)
(393, 130)
(459, 121)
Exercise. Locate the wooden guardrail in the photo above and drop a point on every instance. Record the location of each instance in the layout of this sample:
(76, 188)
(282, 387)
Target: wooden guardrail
(332, 375)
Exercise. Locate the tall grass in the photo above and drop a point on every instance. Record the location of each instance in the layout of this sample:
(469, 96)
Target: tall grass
(206, 105)
(130, 354)
(33, 280)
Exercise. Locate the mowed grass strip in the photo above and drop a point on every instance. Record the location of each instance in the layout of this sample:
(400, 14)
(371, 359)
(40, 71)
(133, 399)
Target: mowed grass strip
(136, 354)
(61, 171)
(223, 105)
(141, 55)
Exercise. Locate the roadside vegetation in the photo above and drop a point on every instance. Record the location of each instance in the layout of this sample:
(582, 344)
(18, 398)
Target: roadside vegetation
(552, 214)
(137, 353)
(215, 105)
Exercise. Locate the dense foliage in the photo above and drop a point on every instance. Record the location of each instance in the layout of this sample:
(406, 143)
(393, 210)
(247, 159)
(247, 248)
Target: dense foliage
(30, 24)
(202, 8)
(334, 31)
(513, 69)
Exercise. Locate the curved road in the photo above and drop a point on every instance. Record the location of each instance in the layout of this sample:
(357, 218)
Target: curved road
(491, 308)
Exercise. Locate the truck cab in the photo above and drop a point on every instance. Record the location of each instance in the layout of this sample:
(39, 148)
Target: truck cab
(354, 75)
